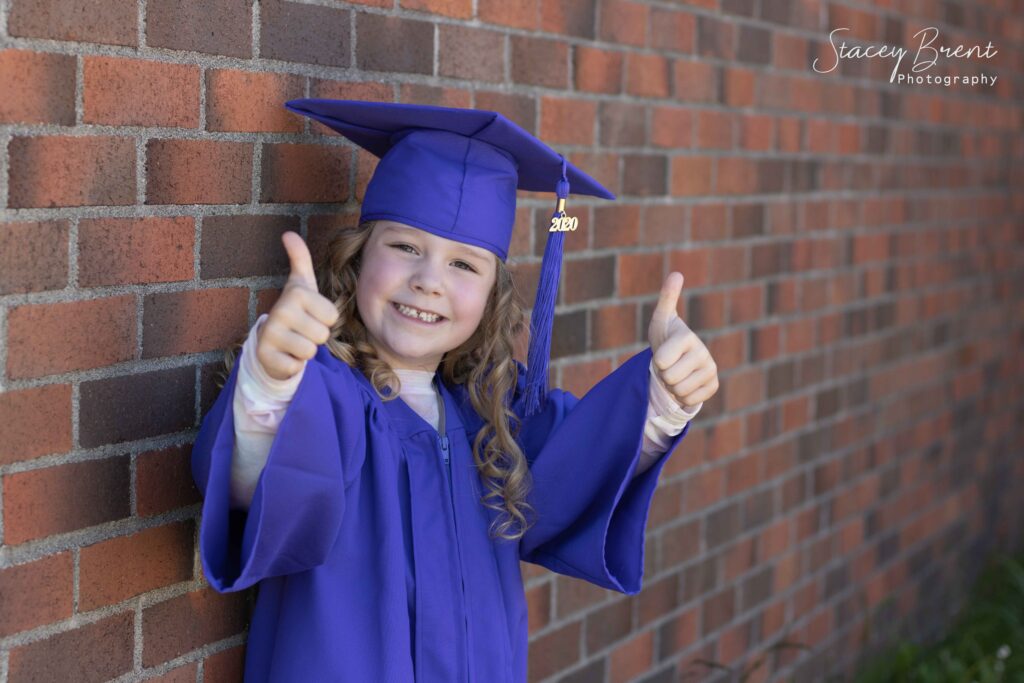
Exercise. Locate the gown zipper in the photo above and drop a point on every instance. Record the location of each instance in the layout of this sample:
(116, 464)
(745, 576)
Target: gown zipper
(442, 441)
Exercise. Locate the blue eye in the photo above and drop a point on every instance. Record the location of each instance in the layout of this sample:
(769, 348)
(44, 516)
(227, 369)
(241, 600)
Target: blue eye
(404, 247)
(465, 266)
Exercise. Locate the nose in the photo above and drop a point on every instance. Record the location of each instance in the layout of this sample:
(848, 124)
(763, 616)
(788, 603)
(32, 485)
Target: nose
(426, 278)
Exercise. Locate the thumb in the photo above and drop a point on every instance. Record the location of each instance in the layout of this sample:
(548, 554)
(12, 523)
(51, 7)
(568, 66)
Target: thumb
(666, 309)
(299, 260)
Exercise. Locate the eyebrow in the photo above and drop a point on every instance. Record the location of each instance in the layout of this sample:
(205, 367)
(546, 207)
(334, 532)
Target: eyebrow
(462, 248)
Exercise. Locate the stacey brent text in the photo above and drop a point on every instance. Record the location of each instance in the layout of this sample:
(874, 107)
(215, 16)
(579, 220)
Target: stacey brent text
(925, 57)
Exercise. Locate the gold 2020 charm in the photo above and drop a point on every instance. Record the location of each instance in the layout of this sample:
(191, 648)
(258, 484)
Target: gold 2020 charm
(560, 222)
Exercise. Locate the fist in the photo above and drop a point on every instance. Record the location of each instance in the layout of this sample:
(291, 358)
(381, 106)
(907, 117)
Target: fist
(299, 321)
(681, 360)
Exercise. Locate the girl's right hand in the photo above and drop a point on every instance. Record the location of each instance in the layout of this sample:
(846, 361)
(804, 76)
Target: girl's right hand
(299, 321)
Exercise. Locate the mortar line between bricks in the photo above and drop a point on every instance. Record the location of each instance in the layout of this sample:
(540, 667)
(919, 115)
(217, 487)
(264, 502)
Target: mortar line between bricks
(202, 100)
(256, 173)
(141, 25)
(3, 666)
(255, 28)
(5, 139)
(79, 91)
(4, 13)
(137, 628)
(140, 170)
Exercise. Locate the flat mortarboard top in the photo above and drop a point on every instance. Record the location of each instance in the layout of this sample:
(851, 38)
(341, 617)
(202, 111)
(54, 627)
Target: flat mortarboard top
(454, 172)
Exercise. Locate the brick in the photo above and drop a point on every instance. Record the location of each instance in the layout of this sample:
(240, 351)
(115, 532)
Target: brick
(632, 658)
(521, 109)
(305, 173)
(691, 175)
(623, 124)
(616, 225)
(714, 130)
(119, 409)
(389, 43)
(598, 70)
(33, 256)
(244, 246)
(418, 93)
(755, 45)
(569, 17)
(623, 22)
(37, 87)
(182, 624)
(471, 53)
(640, 274)
(693, 264)
(609, 624)
(126, 566)
(311, 34)
(568, 334)
(182, 674)
(614, 326)
(736, 176)
(566, 121)
(663, 224)
(219, 27)
(198, 172)
(252, 102)
(648, 75)
(695, 81)
(579, 378)
(716, 38)
(586, 279)
(457, 9)
(37, 336)
(49, 582)
(537, 61)
(644, 175)
(64, 498)
(163, 481)
(133, 92)
(227, 666)
(193, 321)
(353, 90)
(601, 166)
(117, 251)
(671, 127)
(523, 14)
(89, 654)
(35, 422)
(84, 21)
(554, 652)
(673, 30)
(739, 87)
(48, 171)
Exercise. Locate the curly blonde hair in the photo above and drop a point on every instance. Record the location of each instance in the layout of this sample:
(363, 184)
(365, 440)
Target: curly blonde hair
(483, 363)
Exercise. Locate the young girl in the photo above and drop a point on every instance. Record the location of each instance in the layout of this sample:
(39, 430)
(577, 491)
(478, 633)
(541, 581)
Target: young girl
(379, 463)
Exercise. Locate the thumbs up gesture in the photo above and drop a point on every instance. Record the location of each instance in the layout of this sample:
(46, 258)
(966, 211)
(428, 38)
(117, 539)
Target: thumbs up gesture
(682, 361)
(299, 321)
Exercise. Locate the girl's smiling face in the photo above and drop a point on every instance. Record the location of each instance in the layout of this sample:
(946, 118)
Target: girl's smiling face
(421, 295)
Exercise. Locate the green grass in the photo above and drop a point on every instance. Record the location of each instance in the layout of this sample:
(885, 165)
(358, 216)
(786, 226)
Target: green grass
(984, 645)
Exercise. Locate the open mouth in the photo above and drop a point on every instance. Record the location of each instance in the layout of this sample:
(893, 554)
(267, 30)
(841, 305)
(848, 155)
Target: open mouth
(417, 315)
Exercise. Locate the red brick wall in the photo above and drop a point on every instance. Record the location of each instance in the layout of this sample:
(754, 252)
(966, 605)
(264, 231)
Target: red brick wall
(853, 253)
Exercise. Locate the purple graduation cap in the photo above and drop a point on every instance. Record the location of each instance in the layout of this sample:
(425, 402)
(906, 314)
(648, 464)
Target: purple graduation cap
(454, 173)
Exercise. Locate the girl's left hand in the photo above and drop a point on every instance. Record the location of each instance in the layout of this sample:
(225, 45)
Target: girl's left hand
(682, 360)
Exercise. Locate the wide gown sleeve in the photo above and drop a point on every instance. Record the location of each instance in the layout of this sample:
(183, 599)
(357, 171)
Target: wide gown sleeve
(590, 510)
(297, 507)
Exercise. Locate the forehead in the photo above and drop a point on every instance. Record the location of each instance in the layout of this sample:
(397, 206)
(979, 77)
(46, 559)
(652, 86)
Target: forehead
(395, 229)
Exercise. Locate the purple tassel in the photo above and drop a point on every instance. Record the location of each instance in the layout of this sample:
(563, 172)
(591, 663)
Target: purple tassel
(543, 314)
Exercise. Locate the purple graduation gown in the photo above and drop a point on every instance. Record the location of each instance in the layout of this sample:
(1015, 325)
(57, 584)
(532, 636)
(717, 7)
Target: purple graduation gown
(369, 542)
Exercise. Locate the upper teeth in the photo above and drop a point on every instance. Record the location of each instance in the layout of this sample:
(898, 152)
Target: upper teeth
(416, 313)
